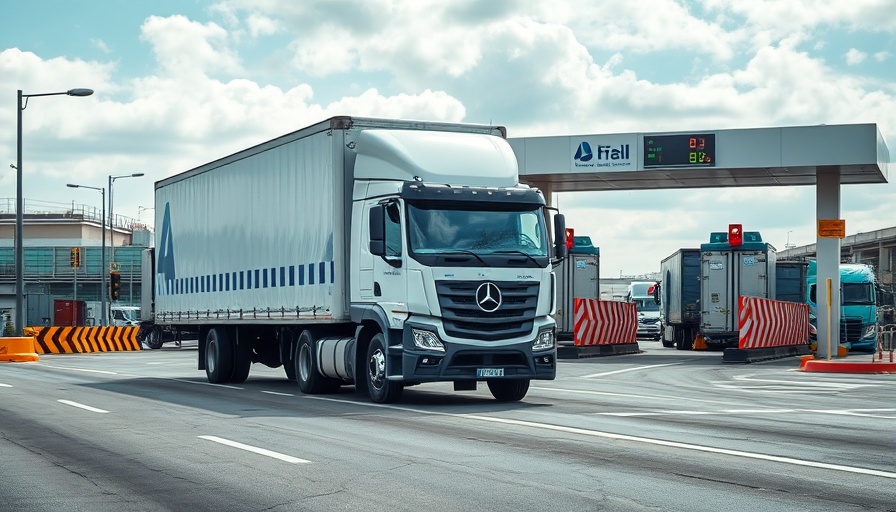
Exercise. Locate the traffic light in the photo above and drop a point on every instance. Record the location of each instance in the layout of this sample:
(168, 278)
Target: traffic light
(570, 238)
(735, 235)
(114, 285)
(76, 257)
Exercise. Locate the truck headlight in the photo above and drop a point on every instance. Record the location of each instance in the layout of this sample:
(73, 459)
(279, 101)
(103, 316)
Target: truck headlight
(544, 340)
(870, 331)
(427, 340)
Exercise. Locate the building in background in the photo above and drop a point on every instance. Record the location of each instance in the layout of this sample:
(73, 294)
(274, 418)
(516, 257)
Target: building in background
(51, 231)
(874, 248)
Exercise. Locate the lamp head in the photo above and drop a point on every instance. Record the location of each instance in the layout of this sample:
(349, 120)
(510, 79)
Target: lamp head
(79, 92)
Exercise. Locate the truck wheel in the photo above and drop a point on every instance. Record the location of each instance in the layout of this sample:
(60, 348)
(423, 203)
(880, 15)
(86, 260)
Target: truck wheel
(382, 390)
(154, 338)
(242, 358)
(218, 356)
(508, 390)
(311, 381)
(667, 343)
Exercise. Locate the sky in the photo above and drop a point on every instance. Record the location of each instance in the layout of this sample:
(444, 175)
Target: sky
(179, 83)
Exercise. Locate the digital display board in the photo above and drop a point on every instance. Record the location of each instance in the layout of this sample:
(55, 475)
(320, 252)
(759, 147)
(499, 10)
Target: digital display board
(681, 150)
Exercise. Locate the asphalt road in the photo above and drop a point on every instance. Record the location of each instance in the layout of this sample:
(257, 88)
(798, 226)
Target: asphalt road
(661, 430)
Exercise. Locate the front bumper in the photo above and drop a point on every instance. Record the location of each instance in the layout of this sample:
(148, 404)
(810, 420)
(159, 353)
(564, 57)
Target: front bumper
(461, 361)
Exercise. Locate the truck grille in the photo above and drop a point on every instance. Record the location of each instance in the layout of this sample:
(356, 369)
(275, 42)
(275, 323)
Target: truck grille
(850, 330)
(463, 317)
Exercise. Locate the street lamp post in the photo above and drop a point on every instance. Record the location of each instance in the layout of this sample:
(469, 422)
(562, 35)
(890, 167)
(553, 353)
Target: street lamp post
(103, 256)
(111, 216)
(20, 204)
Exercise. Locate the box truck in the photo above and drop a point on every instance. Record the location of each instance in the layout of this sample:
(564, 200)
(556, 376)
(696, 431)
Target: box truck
(368, 252)
(728, 271)
(578, 277)
(699, 288)
(679, 298)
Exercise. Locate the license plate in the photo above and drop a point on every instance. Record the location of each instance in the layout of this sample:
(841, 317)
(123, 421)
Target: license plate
(490, 372)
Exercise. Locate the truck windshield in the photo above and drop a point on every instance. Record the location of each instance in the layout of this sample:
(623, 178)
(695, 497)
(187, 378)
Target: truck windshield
(858, 293)
(435, 229)
(647, 304)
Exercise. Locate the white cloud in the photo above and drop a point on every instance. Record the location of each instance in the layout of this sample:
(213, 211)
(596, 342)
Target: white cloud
(539, 68)
(855, 57)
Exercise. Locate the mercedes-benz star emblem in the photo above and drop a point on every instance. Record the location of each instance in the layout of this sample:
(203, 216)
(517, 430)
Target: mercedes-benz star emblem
(488, 297)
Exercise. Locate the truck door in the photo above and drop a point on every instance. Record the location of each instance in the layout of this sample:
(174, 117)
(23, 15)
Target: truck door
(715, 292)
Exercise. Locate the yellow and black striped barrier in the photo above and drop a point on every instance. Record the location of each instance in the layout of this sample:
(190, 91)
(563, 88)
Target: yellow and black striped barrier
(82, 340)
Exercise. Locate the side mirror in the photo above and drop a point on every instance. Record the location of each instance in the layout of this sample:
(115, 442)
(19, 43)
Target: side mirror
(656, 293)
(377, 228)
(560, 250)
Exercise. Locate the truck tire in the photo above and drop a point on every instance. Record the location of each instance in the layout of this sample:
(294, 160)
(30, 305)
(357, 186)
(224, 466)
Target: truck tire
(154, 338)
(508, 390)
(218, 356)
(310, 380)
(381, 389)
(242, 358)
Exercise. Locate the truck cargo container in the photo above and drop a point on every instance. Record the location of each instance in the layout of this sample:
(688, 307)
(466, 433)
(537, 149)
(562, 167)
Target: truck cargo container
(727, 272)
(368, 252)
(679, 298)
(578, 277)
(790, 281)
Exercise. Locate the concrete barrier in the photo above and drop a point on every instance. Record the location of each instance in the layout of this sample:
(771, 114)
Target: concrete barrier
(18, 349)
(602, 327)
(82, 340)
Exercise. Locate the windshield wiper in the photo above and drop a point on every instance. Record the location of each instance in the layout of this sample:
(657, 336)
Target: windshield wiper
(465, 251)
(531, 258)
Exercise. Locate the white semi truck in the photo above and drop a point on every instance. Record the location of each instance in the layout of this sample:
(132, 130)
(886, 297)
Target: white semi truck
(367, 252)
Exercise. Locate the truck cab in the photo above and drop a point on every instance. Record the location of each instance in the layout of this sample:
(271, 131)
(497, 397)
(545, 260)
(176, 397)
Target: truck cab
(858, 304)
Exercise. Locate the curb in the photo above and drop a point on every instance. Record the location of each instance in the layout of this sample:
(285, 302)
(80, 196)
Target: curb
(18, 349)
(752, 355)
(807, 364)
(580, 351)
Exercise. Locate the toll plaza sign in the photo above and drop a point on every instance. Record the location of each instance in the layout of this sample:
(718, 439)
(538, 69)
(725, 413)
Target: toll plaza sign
(605, 153)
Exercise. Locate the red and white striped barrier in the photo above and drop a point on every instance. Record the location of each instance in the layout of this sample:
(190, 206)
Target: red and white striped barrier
(772, 323)
(604, 322)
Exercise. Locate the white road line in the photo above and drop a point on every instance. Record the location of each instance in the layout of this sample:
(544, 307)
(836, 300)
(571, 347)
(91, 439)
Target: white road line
(82, 406)
(206, 383)
(636, 368)
(254, 449)
(2, 385)
(80, 369)
(278, 394)
(696, 413)
(635, 439)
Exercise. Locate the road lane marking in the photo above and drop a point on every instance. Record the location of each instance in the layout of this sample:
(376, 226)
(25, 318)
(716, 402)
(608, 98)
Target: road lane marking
(88, 370)
(276, 393)
(2, 385)
(255, 449)
(634, 439)
(205, 383)
(82, 406)
(624, 370)
(697, 413)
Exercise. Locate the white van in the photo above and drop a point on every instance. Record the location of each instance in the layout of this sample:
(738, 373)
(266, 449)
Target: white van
(124, 316)
(641, 294)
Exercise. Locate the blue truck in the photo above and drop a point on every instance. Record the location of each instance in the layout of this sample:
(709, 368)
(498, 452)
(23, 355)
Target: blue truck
(858, 304)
